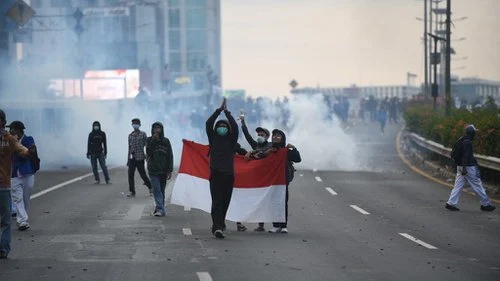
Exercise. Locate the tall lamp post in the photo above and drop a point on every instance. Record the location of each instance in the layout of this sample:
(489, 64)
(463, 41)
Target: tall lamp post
(435, 60)
(448, 59)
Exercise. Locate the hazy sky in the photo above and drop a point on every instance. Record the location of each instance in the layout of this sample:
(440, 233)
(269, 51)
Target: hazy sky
(266, 43)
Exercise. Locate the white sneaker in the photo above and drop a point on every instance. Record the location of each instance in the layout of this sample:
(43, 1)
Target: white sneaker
(284, 230)
(157, 214)
(275, 230)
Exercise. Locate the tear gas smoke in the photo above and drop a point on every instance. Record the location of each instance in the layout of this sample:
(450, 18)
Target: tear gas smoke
(319, 137)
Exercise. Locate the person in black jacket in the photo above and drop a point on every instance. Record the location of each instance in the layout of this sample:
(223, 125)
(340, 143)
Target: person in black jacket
(222, 139)
(293, 156)
(97, 150)
(467, 170)
(160, 165)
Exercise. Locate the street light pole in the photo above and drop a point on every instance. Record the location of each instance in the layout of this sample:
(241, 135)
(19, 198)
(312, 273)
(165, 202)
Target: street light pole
(426, 51)
(448, 59)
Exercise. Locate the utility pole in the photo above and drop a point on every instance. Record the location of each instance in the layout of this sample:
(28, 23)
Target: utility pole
(448, 59)
(426, 51)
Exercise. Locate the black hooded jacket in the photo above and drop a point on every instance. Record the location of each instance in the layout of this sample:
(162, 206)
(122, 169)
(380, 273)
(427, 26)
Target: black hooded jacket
(160, 157)
(293, 156)
(222, 148)
(97, 142)
(467, 154)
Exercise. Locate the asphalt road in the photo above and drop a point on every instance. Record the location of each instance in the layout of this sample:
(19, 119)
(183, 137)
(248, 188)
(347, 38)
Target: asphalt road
(359, 229)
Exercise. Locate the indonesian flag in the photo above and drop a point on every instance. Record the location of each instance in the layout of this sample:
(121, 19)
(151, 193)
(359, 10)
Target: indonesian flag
(259, 187)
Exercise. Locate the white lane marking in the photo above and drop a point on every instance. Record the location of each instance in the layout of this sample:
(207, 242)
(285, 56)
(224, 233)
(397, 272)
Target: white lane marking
(318, 179)
(135, 212)
(63, 184)
(187, 208)
(187, 231)
(419, 242)
(315, 170)
(329, 189)
(359, 209)
(204, 276)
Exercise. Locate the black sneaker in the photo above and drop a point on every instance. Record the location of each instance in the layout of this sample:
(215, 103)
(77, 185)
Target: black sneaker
(241, 227)
(488, 208)
(219, 234)
(452, 208)
(260, 228)
(108, 182)
(131, 194)
(97, 182)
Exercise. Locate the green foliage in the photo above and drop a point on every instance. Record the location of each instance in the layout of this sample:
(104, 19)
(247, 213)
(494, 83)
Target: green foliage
(421, 119)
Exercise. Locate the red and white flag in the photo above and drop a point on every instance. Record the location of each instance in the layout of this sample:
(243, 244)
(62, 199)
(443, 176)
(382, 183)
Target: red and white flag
(259, 187)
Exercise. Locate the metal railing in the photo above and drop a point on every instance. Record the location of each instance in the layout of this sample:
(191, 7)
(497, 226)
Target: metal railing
(489, 162)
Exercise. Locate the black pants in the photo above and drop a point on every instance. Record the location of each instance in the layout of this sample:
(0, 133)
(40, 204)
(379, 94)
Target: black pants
(221, 189)
(283, 224)
(102, 162)
(132, 165)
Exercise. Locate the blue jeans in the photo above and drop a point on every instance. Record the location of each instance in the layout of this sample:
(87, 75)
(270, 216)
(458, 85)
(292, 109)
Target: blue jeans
(5, 217)
(159, 182)
(102, 162)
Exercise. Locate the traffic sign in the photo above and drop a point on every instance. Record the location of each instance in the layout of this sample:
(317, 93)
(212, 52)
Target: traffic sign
(21, 12)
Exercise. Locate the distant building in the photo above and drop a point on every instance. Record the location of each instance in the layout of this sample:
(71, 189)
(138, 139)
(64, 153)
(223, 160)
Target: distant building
(355, 92)
(475, 89)
(130, 34)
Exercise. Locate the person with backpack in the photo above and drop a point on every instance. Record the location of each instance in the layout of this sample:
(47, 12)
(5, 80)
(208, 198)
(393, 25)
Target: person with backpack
(97, 150)
(293, 156)
(160, 165)
(23, 176)
(467, 171)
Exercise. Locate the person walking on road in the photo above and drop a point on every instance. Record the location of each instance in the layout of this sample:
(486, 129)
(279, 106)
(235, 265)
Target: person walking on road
(8, 146)
(160, 165)
(222, 139)
(467, 171)
(23, 176)
(97, 150)
(136, 157)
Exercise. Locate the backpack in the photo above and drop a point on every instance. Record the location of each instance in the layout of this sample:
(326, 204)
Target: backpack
(290, 169)
(456, 152)
(35, 161)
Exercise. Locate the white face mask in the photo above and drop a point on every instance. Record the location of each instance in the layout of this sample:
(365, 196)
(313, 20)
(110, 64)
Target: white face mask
(260, 139)
(96, 128)
(136, 126)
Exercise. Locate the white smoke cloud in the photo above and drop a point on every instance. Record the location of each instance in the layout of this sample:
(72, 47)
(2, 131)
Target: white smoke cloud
(320, 139)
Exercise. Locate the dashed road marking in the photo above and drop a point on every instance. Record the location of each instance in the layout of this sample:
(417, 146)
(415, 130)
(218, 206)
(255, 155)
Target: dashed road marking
(359, 209)
(318, 179)
(187, 231)
(329, 189)
(204, 276)
(419, 242)
(187, 208)
(135, 212)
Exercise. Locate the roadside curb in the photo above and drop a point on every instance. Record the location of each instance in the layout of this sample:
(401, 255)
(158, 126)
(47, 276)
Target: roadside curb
(421, 172)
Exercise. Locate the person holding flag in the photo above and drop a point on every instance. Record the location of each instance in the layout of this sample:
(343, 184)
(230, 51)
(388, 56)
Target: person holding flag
(222, 139)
